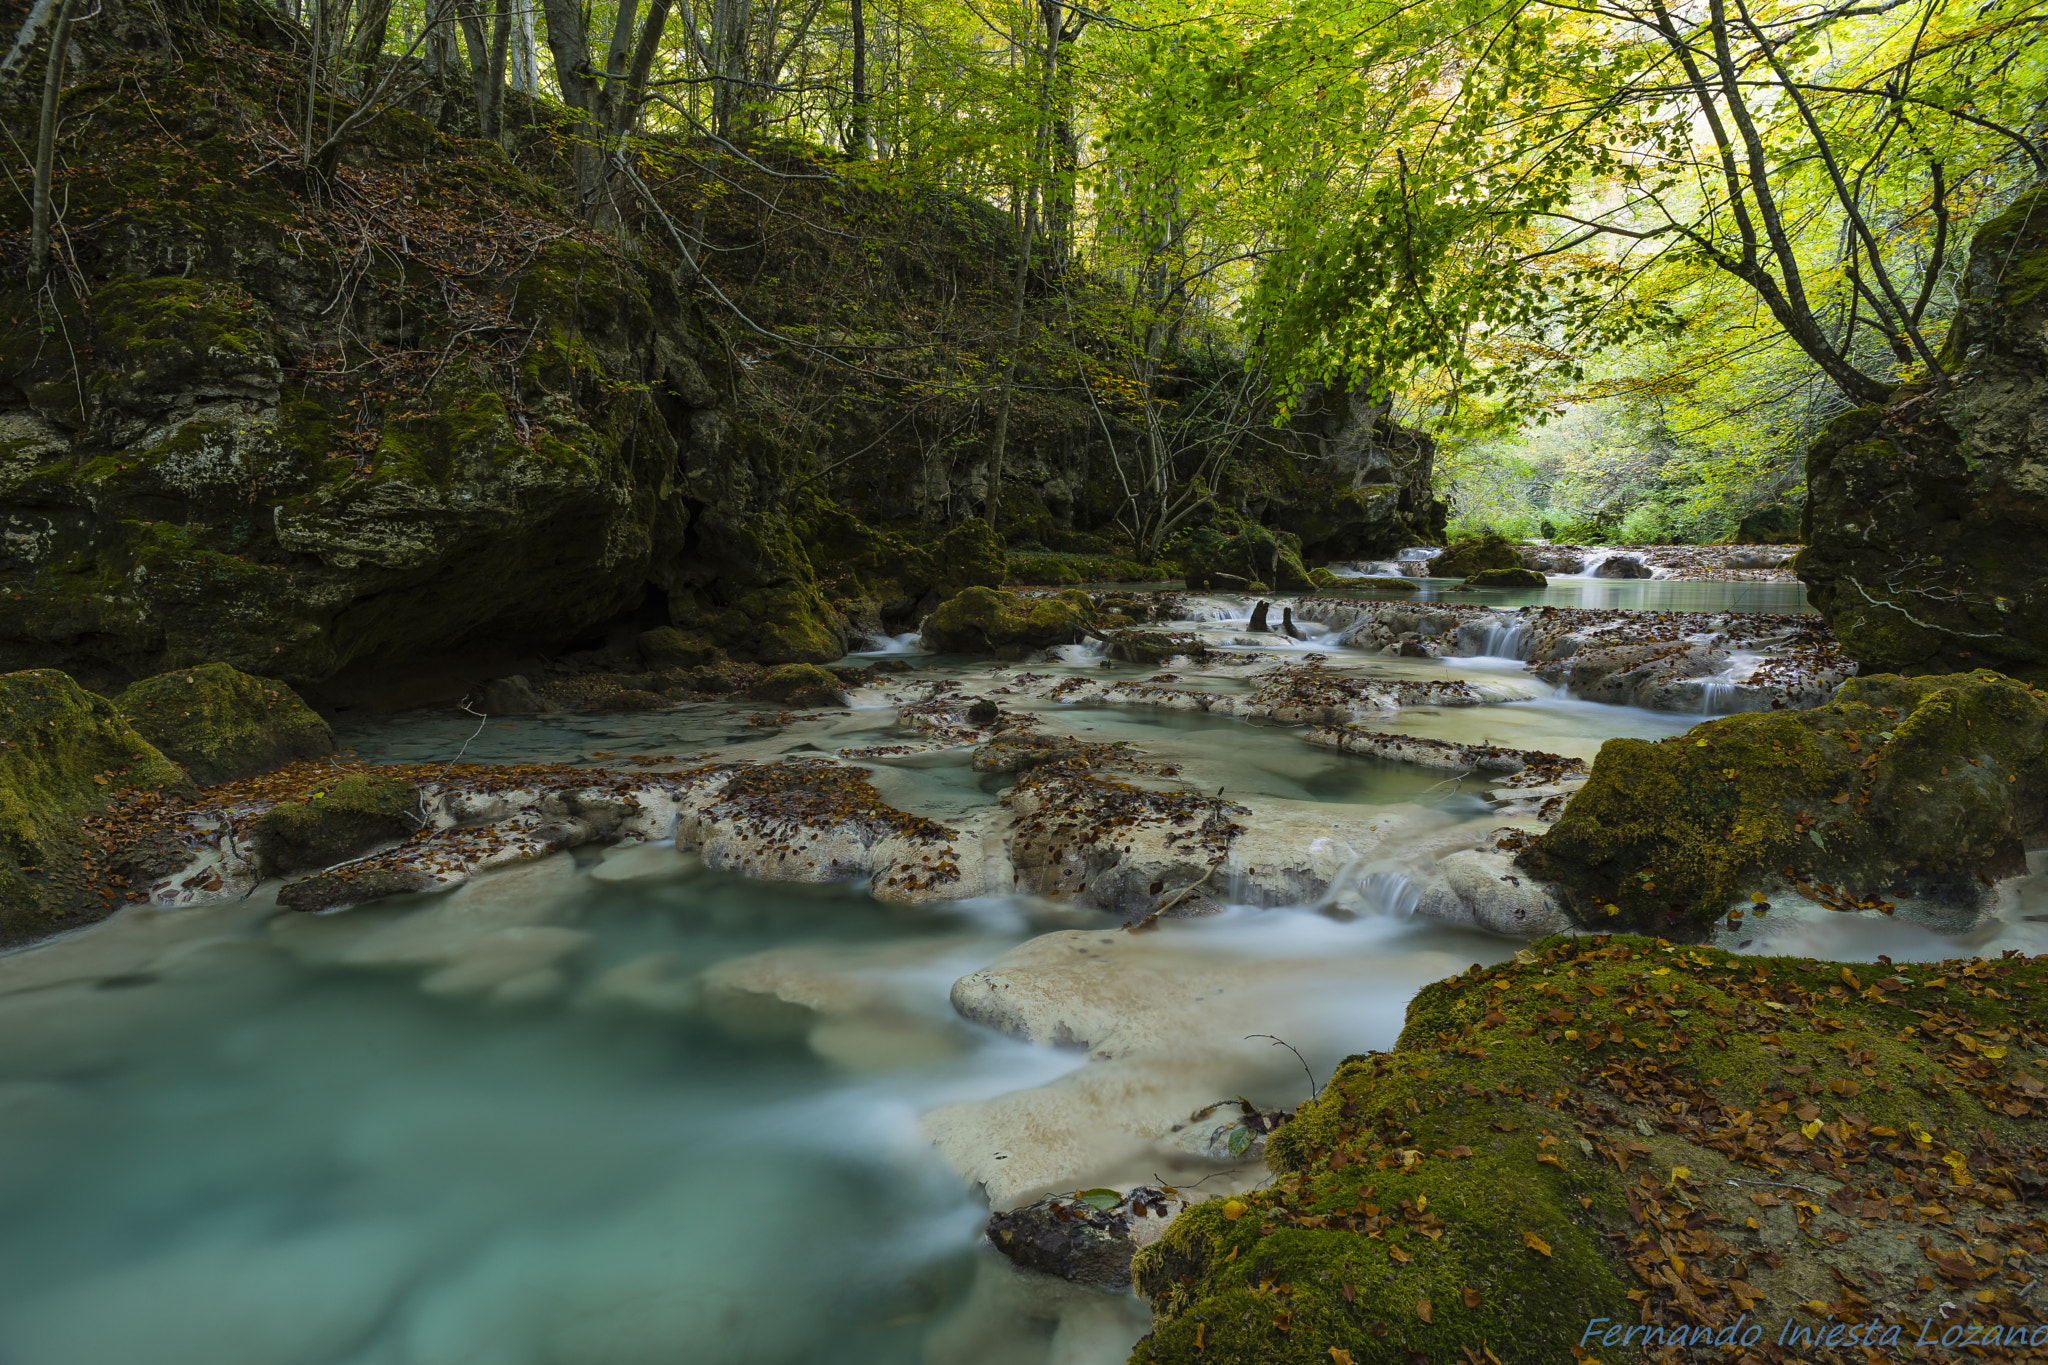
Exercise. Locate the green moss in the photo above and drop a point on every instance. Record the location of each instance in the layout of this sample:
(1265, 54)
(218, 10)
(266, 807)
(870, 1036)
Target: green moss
(797, 685)
(1047, 569)
(985, 620)
(223, 724)
(1237, 547)
(62, 752)
(1599, 1097)
(342, 821)
(1508, 578)
(1899, 786)
(1467, 557)
(666, 647)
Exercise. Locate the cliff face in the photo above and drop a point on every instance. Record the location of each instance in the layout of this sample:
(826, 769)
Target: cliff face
(301, 424)
(1926, 519)
(1365, 482)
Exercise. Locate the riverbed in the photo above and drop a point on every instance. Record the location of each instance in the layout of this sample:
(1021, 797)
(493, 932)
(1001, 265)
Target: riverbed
(226, 1138)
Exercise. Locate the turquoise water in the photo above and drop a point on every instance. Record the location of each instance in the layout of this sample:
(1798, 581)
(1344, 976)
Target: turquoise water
(230, 1136)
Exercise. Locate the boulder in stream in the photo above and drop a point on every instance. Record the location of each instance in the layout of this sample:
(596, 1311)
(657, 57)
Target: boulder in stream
(1507, 578)
(1622, 566)
(1925, 788)
(1475, 555)
(343, 819)
(984, 620)
(63, 753)
(223, 724)
(1505, 1177)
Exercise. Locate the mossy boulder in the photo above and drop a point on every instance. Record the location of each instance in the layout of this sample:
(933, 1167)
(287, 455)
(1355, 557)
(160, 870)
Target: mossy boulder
(1475, 554)
(1507, 578)
(797, 685)
(666, 647)
(223, 724)
(63, 752)
(1383, 584)
(1657, 1136)
(1924, 788)
(343, 820)
(1007, 624)
(1234, 548)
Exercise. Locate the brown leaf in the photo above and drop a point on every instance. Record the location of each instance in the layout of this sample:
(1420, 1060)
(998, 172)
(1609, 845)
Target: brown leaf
(1548, 1160)
(1458, 1153)
(1471, 1297)
(1535, 1244)
(1423, 1310)
(1399, 1256)
(1350, 1292)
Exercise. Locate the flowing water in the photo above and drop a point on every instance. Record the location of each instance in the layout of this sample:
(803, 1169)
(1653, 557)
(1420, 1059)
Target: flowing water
(225, 1141)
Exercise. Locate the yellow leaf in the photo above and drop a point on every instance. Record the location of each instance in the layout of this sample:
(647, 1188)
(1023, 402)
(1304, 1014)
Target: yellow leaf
(1548, 1160)
(1338, 1357)
(1399, 1256)
(1233, 1209)
(1809, 1129)
(1535, 1244)
(1421, 1202)
(1571, 1035)
(1680, 1173)
(1660, 971)
(1994, 1053)
(1849, 980)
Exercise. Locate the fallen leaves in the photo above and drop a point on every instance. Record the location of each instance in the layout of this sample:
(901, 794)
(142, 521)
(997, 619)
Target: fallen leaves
(1535, 1243)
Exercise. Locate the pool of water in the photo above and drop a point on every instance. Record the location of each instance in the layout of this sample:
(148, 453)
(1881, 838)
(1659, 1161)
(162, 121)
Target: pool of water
(230, 1136)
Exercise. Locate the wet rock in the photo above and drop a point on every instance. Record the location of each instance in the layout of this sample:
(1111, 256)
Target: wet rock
(1485, 890)
(63, 752)
(512, 696)
(984, 620)
(347, 818)
(1622, 566)
(222, 724)
(801, 685)
(312, 894)
(1531, 765)
(1235, 552)
(1900, 788)
(666, 647)
(1067, 1237)
(1507, 578)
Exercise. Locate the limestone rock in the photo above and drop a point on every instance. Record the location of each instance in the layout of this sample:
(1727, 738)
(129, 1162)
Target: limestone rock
(1487, 891)
(222, 723)
(1899, 789)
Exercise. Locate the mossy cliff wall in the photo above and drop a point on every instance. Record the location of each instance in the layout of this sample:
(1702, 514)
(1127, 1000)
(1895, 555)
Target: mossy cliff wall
(1926, 518)
(297, 422)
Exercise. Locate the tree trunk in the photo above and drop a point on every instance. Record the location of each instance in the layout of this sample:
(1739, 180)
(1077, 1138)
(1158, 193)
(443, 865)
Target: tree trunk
(857, 124)
(46, 150)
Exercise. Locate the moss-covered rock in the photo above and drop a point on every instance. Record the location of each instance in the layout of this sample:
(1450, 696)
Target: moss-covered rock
(63, 752)
(346, 819)
(1899, 788)
(1234, 548)
(1006, 624)
(1925, 517)
(1048, 569)
(860, 563)
(222, 723)
(1507, 578)
(1623, 1130)
(666, 647)
(1475, 554)
(797, 685)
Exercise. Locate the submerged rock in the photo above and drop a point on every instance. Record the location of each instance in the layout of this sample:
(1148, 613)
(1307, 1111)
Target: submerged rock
(1086, 1238)
(1923, 788)
(1551, 1140)
(1622, 566)
(222, 723)
(63, 753)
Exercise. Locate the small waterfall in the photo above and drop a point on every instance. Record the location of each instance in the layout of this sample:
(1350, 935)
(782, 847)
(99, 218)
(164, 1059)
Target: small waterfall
(1389, 894)
(1507, 639)
(906, 643)
(1719, 698)
(1081, 655)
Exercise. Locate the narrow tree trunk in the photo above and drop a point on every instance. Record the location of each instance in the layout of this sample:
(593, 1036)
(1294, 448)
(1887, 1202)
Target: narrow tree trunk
(46, 150)
(857, 125)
